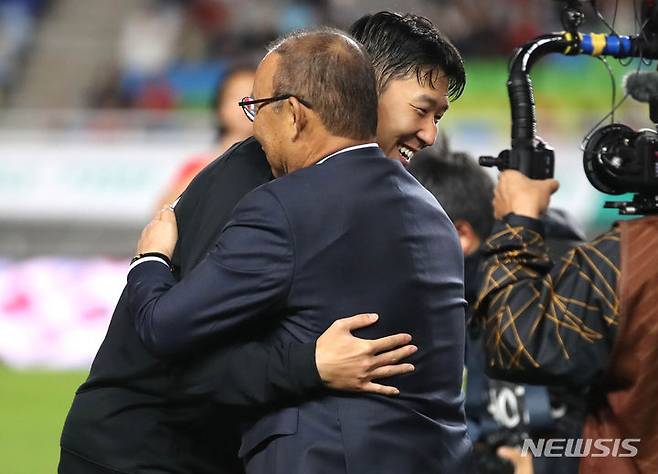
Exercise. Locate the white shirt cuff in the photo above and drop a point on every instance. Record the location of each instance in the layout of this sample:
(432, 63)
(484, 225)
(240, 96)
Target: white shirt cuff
(147, 259)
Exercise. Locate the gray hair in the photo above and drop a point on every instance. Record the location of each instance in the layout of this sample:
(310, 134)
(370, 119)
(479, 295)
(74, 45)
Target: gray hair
(331, 71)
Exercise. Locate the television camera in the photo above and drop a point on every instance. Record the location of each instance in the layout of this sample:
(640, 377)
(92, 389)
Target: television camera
(616, 158)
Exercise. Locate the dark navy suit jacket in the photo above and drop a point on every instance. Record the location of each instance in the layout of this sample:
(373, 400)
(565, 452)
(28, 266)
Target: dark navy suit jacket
(356, 233)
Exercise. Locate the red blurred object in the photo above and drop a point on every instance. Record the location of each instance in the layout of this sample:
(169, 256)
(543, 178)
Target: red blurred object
(209, 15)
(156, 95)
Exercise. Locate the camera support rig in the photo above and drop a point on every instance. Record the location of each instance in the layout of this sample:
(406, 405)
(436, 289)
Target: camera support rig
(528, 153)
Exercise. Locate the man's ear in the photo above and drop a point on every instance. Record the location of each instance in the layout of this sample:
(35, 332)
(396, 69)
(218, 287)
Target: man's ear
(468, 238)
(298, 118)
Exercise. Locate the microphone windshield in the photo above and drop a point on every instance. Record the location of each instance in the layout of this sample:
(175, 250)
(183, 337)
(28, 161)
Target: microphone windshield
(642, 86)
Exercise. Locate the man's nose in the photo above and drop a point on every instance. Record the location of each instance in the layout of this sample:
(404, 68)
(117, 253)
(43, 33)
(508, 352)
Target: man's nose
(427, 134)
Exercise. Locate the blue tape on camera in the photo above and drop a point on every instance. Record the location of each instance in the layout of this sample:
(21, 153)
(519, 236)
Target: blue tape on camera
(608, 45)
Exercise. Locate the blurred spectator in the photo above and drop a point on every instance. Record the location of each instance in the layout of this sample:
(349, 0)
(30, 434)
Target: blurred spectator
(209, 15)
(16, 28)
(156, 94)
(232, 126)
(496, 28)
(147, 46)
(300, 14)
(166, 35)
(206, 31)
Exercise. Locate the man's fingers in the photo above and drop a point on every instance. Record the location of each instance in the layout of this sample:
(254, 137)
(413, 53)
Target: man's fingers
(389, 342)
(393, 357)
(358, 321)
(391, 370)
(380, 389)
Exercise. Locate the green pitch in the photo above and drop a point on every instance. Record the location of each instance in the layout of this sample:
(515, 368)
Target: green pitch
(33, 405)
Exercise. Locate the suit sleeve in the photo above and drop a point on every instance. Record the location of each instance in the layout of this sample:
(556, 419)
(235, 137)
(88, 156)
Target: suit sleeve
(246, 277)
(254, 374)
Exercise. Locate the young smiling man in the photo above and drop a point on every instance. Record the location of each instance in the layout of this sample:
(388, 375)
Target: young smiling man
(418, 71)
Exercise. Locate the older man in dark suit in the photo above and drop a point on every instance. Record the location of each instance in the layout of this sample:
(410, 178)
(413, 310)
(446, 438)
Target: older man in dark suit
(139, 413)
(343, 230)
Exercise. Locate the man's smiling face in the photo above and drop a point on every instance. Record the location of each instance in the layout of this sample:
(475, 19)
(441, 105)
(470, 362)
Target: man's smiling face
(408, 115)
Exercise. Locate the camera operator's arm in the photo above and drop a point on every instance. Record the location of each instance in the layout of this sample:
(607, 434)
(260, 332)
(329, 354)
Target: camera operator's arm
(545, 323)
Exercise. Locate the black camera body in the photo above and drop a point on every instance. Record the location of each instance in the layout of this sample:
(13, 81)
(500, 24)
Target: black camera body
(618, 160)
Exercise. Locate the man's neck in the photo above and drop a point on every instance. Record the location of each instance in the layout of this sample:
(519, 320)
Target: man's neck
(332, 145)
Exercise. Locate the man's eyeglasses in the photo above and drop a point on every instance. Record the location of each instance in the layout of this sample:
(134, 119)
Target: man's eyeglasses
(251, 106)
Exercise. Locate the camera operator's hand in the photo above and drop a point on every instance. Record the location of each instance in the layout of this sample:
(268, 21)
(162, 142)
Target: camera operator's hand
(521, 195)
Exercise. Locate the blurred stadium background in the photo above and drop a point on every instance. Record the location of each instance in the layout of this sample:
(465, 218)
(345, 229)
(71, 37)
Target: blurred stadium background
(100, 101)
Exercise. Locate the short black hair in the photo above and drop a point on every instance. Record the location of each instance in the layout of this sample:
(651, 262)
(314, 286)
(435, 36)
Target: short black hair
(333, 72)
(462, 187)
(401, 45)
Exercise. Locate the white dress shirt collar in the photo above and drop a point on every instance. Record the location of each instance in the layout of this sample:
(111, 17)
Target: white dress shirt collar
(345, 150)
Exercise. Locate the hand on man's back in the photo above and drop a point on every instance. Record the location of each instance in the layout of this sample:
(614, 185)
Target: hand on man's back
(348, 363)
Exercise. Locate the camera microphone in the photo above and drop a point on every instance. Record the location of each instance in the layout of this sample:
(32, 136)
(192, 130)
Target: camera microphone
(642, 86)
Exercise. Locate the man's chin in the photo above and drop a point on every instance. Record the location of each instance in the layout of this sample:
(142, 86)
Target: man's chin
(405, 161)
(398, 155)
(394, 154)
